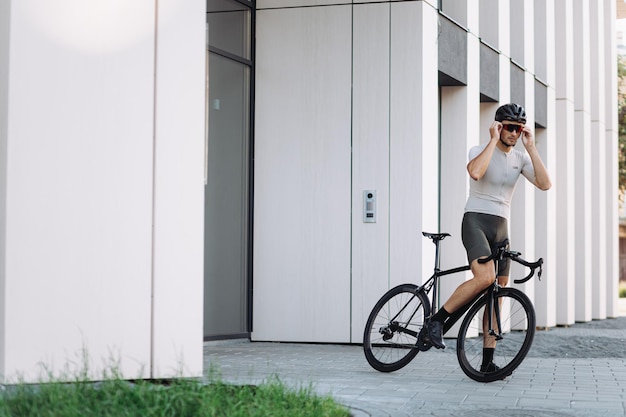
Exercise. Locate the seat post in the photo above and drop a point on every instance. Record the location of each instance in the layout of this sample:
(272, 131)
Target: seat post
(435, 302)
(437, 261)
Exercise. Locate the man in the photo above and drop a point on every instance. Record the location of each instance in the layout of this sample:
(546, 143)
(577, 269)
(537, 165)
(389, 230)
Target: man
(494, 169)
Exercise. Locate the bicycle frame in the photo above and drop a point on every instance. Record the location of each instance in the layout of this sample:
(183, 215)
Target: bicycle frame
(500, 252)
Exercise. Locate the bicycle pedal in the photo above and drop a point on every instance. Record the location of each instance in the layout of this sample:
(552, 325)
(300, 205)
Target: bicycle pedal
(386, 332)
(423, 343)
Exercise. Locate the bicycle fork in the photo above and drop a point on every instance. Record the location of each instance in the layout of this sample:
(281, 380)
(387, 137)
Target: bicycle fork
(493, 306)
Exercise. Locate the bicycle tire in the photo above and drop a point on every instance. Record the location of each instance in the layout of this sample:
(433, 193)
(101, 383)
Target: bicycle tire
(517, 317)
(390, 336)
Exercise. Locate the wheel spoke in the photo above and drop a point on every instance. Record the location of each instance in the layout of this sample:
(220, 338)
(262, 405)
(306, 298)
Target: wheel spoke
(393, 326)
(517, 320)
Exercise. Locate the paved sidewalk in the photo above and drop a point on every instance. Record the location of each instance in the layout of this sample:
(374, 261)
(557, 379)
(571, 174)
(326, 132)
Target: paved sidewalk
(433, 383)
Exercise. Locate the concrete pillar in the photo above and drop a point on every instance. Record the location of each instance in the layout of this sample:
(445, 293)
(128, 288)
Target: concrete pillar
(414, 148)
(611, 256)
(102, 189)
(582, 157)
(545, 202)
(522, 222)
(178, 279)
(597, 141)
(565, 185)
(460, 131)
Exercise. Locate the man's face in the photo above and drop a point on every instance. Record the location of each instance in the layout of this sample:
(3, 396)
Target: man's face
(510, 132)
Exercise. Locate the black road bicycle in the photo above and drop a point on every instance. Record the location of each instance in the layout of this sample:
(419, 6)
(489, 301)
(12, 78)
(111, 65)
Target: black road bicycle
(499, 317)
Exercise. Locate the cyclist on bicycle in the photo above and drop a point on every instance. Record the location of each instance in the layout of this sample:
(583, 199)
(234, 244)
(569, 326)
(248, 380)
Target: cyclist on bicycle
(494, 168)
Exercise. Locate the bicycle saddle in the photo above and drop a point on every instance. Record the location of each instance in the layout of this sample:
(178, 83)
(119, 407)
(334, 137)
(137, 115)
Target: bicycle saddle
(436, 236)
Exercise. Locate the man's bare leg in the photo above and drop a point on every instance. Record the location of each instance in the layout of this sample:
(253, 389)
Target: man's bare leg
(484, 275)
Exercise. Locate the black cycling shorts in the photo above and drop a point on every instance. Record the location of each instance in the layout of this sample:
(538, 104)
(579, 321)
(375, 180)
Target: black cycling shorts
(480, 232)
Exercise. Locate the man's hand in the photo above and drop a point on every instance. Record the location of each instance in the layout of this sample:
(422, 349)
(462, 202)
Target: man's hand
(495, 129)
(527, 138)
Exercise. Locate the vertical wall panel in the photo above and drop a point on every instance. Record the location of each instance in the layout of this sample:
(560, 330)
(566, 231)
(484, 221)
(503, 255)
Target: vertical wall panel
(610, 163)
(547, 298)
(504, 30)
(5, 21)
(523, 220)
(370, 160)
(565, 173)
(518, 27)
(455, 147)
(597, 92)
(413, 140)
(302, 175)
(582, 174)
(458, 135)
(179, 189)
(543, 38)
(489, 22)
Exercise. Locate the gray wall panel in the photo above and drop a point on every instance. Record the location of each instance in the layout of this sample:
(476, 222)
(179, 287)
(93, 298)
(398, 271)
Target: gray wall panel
(518, 85)
(452, 53)
(489, 74)
(541, 104)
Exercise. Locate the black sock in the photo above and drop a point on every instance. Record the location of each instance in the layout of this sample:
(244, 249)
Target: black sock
(488, 355)
(441, 315)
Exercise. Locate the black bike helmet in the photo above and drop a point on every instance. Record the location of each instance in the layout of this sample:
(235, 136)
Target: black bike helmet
(511, 112)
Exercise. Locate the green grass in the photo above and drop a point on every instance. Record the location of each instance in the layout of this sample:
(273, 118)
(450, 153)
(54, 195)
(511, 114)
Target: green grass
(116, 397)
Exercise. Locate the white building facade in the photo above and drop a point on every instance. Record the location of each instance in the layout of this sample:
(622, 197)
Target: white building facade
(166, 181)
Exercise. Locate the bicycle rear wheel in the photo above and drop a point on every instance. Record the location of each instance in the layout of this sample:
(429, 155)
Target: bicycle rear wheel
(390, 337)
(517, 318)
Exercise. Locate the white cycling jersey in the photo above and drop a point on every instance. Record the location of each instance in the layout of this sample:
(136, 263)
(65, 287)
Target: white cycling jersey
(493, 192)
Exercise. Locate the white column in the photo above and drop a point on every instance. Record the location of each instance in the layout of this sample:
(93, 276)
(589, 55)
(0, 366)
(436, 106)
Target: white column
(611, 256)
(598, 157)
(79, 176)
(582, 173)
(522, 222)
(565, 185)
(4, 122)
(460, 130)
(413, 192)
(179, 190)
(545, 202)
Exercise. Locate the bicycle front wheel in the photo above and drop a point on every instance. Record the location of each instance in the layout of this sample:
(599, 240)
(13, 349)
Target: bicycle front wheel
(511, 343)
(392, 329)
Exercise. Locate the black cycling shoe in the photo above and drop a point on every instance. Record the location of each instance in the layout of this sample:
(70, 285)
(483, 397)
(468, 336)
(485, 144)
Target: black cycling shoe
(435, 334)
(489, 368)
(423, 342)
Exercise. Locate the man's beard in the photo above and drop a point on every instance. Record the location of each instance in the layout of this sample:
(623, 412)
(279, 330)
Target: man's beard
(504, 143)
